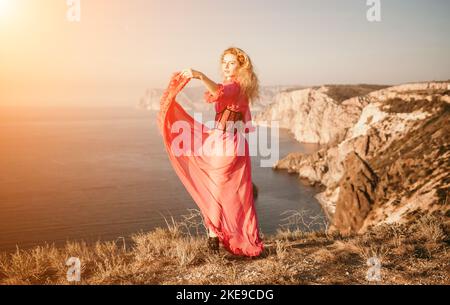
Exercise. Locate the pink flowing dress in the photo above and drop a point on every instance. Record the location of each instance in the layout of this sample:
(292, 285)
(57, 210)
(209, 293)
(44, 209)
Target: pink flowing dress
(219, 183)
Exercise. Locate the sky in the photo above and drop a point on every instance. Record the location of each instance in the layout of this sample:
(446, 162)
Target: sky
(119, 48)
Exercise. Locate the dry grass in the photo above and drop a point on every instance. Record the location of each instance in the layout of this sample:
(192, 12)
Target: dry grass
(416, 253)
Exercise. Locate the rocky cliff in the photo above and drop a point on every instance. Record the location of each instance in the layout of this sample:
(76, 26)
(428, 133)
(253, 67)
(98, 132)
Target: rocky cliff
(387, 158)
(319, 114)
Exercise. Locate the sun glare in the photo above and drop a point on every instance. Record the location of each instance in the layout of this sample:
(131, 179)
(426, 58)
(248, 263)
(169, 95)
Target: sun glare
(5, 7)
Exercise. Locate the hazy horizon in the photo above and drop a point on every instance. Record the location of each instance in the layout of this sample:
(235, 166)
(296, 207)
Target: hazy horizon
(119, 49)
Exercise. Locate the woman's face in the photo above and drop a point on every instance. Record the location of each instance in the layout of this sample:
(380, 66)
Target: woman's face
(230, 65)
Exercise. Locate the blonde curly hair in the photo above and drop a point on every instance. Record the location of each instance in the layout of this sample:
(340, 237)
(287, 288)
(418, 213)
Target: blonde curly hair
(246, 77)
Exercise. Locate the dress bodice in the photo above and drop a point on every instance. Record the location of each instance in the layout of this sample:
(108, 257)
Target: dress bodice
(230, 106)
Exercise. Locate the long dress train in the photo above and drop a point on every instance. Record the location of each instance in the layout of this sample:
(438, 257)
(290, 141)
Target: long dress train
(219, 183)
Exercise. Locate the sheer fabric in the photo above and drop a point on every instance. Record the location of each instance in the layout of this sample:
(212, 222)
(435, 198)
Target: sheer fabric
(219, 183)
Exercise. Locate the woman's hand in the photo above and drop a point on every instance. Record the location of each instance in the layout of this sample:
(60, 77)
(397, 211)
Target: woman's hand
(190, 73)
(209, 84)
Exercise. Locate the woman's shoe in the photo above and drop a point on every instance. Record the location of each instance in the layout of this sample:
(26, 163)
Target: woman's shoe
(213, 244)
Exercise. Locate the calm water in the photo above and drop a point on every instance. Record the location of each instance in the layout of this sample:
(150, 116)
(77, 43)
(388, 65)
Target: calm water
(72, 174)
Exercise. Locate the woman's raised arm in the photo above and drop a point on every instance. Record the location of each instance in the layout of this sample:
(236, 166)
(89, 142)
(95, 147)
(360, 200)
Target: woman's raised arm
(209, 84)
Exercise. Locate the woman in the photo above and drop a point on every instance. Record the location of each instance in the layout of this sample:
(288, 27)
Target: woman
(220, 181)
